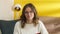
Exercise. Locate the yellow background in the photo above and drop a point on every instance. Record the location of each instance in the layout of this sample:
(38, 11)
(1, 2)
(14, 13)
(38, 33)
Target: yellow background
(49, 8)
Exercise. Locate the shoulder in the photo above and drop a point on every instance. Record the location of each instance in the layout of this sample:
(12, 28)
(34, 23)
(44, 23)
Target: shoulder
(18, 23)
(40, 22)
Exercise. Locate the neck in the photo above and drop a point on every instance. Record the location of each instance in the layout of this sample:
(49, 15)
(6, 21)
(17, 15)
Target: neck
(29, 21)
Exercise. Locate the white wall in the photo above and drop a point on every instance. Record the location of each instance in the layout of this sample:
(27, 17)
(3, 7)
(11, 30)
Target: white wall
(6, 12)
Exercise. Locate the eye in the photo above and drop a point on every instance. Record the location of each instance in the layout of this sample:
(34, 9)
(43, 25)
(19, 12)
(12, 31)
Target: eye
(31, 11)
(26, 12)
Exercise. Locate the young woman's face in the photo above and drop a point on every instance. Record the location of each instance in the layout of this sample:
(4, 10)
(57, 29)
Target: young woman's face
(29, 14)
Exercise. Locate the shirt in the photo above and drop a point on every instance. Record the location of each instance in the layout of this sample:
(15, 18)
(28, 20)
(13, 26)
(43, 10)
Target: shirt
(30, 29)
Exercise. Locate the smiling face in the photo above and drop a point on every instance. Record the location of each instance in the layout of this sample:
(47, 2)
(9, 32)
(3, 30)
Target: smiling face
(29, 14)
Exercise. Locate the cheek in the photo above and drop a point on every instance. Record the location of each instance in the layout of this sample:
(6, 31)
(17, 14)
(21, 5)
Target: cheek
(25, 15)
(32, 15)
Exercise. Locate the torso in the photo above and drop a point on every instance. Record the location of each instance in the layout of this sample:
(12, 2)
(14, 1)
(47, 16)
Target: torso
(30, 29)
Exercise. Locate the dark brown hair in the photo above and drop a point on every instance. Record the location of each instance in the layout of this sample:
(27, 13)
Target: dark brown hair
(23, 18)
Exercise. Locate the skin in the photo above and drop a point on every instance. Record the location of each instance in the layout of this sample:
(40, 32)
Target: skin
(29, 14)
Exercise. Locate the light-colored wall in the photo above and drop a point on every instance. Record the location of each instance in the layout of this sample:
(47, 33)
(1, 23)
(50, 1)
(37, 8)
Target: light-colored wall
(6, 12)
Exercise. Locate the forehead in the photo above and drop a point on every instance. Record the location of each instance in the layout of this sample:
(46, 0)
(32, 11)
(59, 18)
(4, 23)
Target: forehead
(28, 9)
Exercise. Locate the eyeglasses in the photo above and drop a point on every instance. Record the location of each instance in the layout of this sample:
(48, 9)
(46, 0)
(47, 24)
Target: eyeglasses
(28, 12)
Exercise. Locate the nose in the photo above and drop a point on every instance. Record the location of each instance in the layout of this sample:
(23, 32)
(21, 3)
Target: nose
(29, 13)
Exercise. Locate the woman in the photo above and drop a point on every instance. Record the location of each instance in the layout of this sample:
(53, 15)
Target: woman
(29, 23)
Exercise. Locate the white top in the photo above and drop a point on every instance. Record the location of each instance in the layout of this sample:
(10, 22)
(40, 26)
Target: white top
(30, 29)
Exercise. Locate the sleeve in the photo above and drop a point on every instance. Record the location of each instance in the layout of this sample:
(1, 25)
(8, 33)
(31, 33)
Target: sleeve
(43, 28)
(16, 28)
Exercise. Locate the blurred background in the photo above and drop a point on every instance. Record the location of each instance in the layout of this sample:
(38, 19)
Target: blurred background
(49, 8)
(48, 12)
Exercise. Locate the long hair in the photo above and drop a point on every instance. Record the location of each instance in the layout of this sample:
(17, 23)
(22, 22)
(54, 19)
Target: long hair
(23, 18)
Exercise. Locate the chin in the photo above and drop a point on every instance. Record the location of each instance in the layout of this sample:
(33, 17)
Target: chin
(29, 19)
